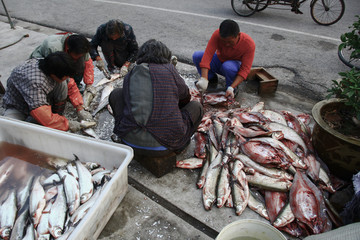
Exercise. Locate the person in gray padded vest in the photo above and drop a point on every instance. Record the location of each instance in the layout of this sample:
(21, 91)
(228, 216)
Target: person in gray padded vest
(153, 112)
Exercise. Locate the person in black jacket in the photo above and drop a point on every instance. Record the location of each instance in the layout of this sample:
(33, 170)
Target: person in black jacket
(118, 44)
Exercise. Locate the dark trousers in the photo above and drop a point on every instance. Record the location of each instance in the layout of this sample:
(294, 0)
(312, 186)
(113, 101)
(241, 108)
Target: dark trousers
(115, 56)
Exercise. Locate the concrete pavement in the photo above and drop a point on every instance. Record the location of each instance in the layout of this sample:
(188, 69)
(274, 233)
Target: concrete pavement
(169, 207)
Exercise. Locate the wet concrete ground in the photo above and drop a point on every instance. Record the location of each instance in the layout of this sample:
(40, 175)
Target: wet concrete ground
(169, 207)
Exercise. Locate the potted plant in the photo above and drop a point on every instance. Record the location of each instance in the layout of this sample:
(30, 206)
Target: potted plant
(336, 133)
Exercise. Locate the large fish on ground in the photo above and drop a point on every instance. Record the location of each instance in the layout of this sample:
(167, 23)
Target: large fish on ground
(307, 204)
(274, 116)
(88, 96)
(282, 149)
(257, 204)
(209, 189)
(190, 163)
(241, 191)
(202, 177)
(223, 189)
(271, 172)
(275, 201)
(287, 133)
(285, 217)
(91, 132)
(264, 154)
(105, 80)
(269, 183)
(200, 142)
(104, 99)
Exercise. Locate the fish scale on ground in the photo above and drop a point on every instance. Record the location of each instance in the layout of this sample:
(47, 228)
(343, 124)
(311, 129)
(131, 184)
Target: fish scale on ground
(285, 153)
(45, 213)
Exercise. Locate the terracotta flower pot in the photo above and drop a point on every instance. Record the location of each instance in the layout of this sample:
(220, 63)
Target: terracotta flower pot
(341, 153)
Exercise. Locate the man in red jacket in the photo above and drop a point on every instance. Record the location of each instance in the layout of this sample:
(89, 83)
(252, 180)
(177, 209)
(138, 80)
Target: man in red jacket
(37, 88)
(229, 53)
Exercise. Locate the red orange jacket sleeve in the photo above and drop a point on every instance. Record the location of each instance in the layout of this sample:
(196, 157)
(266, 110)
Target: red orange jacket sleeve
(75, 95)
(89, 72)
(45, 117)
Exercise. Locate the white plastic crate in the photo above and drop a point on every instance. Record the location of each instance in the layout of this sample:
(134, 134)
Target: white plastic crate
(64, 144)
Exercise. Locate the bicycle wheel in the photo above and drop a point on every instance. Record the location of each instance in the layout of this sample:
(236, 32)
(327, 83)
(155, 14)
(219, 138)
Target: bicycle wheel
(327, 12)
(245, 8)
(344, 55)
(263, 4)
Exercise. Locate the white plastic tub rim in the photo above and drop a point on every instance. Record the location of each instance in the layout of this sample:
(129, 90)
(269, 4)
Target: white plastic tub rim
(63, 144)
(253, 229)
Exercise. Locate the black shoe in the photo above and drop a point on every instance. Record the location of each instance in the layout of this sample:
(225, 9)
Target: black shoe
(296, 10)
(214, 79)
(115, 138)
(213, 82)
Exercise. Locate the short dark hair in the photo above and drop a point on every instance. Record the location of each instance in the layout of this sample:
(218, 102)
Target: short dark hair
(58, 63)
(153, 51)
(229, 28)
(114, 26)
(78, 44)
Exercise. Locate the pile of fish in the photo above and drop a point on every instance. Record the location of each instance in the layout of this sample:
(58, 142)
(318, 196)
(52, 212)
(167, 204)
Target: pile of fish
(50, 206)
(262, 159)
(91, 93)
(96, 98)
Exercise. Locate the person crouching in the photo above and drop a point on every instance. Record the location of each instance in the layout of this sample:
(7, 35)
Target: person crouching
(37, 90)
(153, 112)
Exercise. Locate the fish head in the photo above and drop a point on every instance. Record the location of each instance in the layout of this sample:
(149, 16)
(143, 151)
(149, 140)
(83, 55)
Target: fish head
(85, 197)
(5, 232)
(278, 135)
(56, 232)
(220, 202)
(208, 203)
(239, 209)
(44, 237)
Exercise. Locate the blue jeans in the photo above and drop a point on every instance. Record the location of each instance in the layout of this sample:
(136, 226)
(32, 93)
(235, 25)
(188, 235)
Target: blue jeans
(228, 69)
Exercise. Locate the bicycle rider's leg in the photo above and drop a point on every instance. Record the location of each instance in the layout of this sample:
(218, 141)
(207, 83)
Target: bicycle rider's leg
(295, 7)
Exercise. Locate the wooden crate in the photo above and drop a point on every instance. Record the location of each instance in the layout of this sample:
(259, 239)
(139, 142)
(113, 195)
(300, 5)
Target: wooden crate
(267, 82)
(159, 166)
